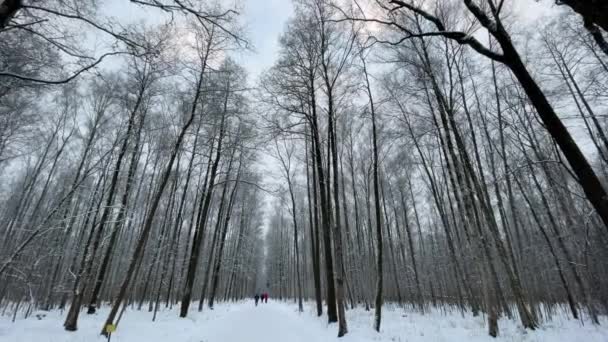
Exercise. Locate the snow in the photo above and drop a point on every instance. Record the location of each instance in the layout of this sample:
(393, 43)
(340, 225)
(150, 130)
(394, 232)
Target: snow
(280, 322)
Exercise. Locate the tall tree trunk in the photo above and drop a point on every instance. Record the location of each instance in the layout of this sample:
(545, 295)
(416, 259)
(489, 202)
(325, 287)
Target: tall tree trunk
(332, 315)
(313, 213)
(377, 211)
(337, 233)
(218, 258)
(198, 235)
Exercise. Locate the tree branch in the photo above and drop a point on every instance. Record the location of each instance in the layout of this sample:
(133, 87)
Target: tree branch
(458, 36)
(90, 22)
(66, 80)
(201, 16)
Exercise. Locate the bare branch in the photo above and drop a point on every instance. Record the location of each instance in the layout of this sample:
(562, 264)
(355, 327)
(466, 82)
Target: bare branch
(65, 80)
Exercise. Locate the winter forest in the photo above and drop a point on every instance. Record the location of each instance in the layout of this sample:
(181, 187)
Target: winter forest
(394, 165)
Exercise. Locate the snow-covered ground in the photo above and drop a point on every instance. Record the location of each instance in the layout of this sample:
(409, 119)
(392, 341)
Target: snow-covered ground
(280, 322)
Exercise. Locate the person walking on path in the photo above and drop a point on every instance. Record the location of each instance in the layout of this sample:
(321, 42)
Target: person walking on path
(256, 298)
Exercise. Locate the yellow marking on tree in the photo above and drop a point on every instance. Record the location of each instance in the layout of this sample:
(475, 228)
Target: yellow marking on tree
(110, 328)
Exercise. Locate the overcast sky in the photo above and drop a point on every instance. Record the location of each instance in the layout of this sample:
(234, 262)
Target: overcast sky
(263, 19)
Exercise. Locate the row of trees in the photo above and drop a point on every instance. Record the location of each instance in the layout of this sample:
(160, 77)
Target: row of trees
(426, 165)
(132, 186)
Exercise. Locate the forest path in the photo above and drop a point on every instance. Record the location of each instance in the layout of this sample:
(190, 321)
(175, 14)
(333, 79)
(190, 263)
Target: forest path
(270, 322)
